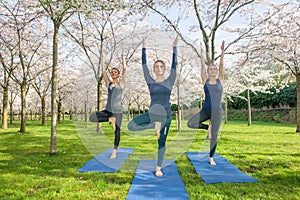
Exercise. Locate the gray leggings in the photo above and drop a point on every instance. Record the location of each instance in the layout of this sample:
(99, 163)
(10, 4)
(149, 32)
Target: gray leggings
(146, 121)
(215, 117)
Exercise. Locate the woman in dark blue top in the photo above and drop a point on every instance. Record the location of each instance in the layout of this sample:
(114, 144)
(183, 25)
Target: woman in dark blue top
(159, 115)
(113, 109)
(212, 107)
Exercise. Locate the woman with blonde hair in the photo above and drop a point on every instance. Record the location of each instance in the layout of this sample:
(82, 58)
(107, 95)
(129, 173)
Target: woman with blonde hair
(213, 78)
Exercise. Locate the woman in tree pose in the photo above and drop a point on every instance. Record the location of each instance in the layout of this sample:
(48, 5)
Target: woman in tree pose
(113, 110)
(213, 78)
(159, 115)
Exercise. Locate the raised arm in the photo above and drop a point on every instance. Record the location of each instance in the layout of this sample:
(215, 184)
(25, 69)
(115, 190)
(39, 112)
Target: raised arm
(147, 76)
(104, 68)
(203, 65)
(174, 61)
(221, 65)
(123, 77)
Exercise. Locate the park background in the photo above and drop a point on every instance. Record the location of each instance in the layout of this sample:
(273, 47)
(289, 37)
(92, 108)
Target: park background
(51, 78)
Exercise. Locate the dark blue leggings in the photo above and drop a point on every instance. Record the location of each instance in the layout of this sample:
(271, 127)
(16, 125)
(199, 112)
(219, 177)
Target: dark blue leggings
(146, 121)
(103, 116)
(215, 117)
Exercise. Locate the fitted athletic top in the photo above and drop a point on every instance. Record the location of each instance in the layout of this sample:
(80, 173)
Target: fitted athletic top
(160, 91)
(213, 95)
(114, 98)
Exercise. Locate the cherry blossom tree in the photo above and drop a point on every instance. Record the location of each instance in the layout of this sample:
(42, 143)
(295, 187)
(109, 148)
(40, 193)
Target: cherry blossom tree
(253, 77)
(14, 91)
(203, 19)
(59, 12)
(84, 96)
(65, 87)
(98, 31)
(277, 42)
(41, 85)
(20, 23)
(7, 70)
(7, 56)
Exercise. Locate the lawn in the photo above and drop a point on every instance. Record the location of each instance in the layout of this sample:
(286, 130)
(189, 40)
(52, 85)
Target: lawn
(269, 152)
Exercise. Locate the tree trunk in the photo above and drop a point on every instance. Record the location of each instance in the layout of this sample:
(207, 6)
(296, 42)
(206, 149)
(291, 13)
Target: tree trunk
(11, 114)
(178, 118)
(31, 115)
(59, 110)
(86, 114)
(226, 110)
(182, 114)
(53, 148)
(86, 109)
(75, 113)
(200, 103)
(128, 112)
(71, 114)
(100, 104)
(43, 101)
(23, 107)
(5, 109)
(298, 102)
(249, 108)
(139, 109)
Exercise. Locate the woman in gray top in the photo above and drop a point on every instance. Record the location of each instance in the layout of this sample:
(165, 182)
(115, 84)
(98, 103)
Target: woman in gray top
(113, 109)
(213, 79)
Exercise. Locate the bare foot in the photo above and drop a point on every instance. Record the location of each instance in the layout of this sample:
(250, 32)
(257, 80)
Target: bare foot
(212, 162)
(112, 120)
(157, 128)
(208, 137)
(113, 154)
(158, 172)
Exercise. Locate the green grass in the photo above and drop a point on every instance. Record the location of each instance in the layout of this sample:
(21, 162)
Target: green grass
(269, 152)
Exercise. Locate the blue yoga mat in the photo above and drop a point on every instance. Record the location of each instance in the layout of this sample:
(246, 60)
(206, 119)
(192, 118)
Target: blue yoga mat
(146, 185)
(224, 171)
(103, 163)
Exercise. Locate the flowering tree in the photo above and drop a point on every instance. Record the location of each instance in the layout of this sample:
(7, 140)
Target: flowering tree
(41, 85)
(204, 19)
(65, 87)
(99, 31)
(19, 21)
(6, 71)
(277, 42)
(253, 77)
(58, 12)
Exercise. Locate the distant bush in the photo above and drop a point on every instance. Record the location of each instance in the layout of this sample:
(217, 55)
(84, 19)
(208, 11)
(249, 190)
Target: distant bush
(272, 99)
(276, 115)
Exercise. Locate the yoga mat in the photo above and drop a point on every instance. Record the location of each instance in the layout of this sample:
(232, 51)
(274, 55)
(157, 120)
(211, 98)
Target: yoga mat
(103, 163)
(224, 171)
(146, 185)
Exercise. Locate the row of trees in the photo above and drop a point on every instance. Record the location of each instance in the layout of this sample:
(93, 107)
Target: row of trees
(56, 46)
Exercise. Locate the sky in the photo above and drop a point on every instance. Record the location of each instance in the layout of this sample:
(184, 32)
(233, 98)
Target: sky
(235, 21)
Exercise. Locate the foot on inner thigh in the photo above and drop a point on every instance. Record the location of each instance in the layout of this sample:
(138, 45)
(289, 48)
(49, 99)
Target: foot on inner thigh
(157, 128)
(112, 120)
(158, 172)
(209, 132)
(113, 154)
(211, 161)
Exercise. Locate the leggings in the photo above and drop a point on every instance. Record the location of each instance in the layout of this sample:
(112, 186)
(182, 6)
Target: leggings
(215, 117)
(146, 121)
(103, 116)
